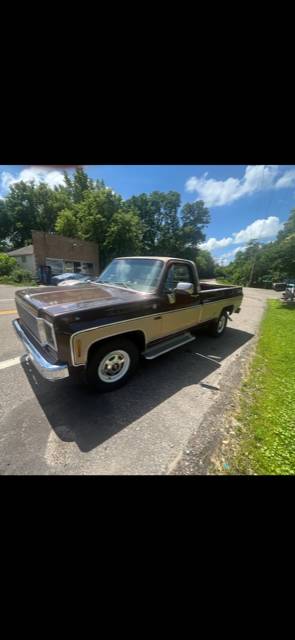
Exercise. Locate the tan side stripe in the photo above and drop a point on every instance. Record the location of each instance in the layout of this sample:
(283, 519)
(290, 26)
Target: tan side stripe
(125, 323)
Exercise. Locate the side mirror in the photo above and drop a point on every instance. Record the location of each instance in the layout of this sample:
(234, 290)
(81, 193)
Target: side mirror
(184, 288)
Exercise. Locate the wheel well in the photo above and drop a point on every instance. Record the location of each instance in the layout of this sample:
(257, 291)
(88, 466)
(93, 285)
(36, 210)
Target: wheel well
(137, 337)
(230, 309)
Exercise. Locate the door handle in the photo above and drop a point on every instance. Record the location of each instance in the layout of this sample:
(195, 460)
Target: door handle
(158, 318)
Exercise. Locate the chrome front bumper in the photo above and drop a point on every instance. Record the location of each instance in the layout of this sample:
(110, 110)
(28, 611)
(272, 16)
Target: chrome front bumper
(45, 368)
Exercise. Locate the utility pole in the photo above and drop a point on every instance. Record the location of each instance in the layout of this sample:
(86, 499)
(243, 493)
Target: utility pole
(252, 273)
(254, 262)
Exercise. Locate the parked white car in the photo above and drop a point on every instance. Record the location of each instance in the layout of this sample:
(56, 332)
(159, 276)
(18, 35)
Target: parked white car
(289, 293)
(73, 281)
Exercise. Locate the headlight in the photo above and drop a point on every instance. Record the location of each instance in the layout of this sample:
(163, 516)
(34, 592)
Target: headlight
(46, 333)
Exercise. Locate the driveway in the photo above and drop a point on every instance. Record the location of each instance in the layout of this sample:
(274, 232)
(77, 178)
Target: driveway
(143, 428)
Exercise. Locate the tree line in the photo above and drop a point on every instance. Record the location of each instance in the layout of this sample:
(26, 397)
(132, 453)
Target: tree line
(261, 264)
(148, 224)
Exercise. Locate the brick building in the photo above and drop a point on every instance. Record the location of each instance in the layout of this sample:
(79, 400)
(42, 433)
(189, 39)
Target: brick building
(58, 252)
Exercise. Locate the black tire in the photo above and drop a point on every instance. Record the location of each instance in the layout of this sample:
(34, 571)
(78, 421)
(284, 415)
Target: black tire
(101, 372)
(218, 326)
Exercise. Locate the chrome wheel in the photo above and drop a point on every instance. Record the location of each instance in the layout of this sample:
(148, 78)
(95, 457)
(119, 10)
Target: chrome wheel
(221, 323)
(114, 366)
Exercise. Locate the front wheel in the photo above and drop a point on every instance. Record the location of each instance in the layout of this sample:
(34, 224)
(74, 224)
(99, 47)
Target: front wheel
(217, 327)
(112, 364)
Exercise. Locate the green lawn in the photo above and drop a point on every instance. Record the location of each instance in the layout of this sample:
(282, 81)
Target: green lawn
(17, 283)
(266, 435)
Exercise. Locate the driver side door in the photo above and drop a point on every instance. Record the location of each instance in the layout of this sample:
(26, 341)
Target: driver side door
(179, 311)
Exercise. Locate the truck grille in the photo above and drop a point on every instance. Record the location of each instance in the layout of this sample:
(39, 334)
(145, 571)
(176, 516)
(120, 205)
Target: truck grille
(27, 317)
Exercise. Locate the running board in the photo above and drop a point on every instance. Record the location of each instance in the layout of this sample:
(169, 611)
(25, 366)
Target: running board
(168, 345)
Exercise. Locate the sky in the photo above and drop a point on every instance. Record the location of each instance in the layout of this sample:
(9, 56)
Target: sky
(245, 201)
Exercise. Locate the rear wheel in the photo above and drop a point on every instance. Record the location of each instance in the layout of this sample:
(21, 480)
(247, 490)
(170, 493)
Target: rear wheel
(217, 327)
(112, 364)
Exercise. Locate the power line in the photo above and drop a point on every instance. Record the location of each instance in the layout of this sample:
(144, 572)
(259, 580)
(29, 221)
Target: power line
(270, 198)
(261, 186)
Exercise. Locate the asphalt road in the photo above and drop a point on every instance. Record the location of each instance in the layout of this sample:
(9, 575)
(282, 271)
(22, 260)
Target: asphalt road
(143, 428)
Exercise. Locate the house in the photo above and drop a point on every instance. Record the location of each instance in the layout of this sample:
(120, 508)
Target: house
(60, 253)
(25, 258)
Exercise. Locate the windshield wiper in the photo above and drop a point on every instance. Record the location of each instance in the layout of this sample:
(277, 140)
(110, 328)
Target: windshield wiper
(121, 284)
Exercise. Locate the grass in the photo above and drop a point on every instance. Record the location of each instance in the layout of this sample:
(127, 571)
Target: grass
(266, 417)
(17, 283)
(223, 281)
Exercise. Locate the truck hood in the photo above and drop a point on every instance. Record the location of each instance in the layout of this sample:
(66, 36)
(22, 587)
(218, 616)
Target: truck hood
(56, 301)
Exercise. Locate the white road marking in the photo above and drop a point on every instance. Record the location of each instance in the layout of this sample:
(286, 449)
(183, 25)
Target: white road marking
(10, 363)
(6, 299)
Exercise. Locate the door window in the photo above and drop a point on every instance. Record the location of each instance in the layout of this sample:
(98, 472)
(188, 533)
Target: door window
(178, 273)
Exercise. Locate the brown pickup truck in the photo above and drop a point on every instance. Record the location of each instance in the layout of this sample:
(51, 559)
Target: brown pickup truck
(137, 306)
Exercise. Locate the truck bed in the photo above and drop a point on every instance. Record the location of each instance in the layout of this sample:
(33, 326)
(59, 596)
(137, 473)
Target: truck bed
(211, 292)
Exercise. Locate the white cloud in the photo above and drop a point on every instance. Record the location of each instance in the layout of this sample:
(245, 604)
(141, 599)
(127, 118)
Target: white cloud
(287, 180)
(6, 179)
(226, 258)
(212, 243)
(216, 193)
(264, 228)
(37, 174)
(257, 230)
(237, 249)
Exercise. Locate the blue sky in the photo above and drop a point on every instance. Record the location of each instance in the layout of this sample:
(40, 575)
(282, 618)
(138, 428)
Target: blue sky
(245, 201)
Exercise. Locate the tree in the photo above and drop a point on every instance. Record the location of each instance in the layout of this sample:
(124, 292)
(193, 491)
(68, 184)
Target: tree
(47, 204)
(78, 185)
(88, 209)
(67, 223)
(5, 225)
(169, 240)
(148, 212)
(194, 216)
(124, 235)
(158, 214)
(94, 215)
(29, 206)
(21, 209)
(205, 264)
(165, 231)
(286, 256)
(289, 227)
(251, 255)
(7, 264)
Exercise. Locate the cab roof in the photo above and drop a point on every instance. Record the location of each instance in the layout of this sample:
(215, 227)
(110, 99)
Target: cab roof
(163, 258)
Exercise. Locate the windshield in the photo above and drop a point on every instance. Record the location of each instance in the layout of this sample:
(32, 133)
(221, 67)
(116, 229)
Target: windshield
(138, 274)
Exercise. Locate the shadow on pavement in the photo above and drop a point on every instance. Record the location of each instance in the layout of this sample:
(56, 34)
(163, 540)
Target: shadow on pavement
(288, 305)
(78, 414)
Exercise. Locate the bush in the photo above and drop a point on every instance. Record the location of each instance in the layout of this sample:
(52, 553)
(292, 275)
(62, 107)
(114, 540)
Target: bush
(6, 280)
(7, 264)
(21, 275)
(18, 276)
